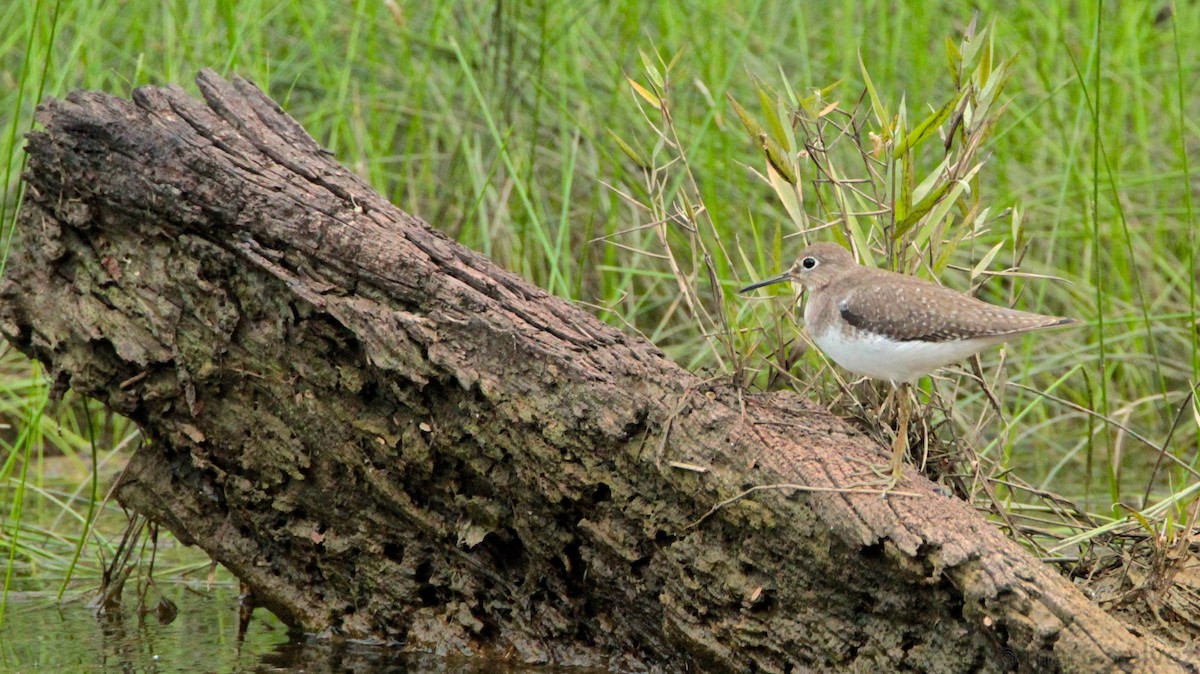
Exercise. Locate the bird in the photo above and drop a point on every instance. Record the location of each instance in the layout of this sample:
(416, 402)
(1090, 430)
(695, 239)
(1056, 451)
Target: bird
(895, 327)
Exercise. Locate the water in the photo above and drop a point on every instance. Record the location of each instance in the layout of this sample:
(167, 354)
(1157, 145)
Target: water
(41, 635)
(38, 633)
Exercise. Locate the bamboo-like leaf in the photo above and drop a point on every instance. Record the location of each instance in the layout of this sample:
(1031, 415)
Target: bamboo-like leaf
(978, 219)
(777, 244)
(828, 89)
(949, 194)
(1015, 228)
(890, 183)
(922, 190)
(775, 121)
(970, 49)
(629, 151)
(881, 115)
(929, 228)
(809, 103)
(929, 125)
(992, 90)
(777, 159)
(954, 61)
(652, 70)
(941, 258)
(788, 195)
(985, 60)
(986, 261)
(789, 139)
(674, 60)
(775, 155)
(752, 126)
(646, 94)
(904, 198)
(921, 209)
(1141, 520)
(792, 100)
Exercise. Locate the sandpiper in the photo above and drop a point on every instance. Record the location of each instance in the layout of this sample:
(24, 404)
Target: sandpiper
(895, 327)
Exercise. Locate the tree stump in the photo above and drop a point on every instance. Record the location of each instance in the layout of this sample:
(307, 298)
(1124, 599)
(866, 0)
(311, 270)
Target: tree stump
(386, 437)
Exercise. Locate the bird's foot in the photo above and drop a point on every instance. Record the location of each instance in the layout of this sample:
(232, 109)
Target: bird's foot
(887, 476)
(881, 476)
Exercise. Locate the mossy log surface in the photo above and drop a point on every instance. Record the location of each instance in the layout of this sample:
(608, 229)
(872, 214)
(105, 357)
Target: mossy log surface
(387, 437)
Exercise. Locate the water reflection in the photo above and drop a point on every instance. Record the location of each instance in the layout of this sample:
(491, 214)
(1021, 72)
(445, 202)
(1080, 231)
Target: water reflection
(312, 657)
(41, 634)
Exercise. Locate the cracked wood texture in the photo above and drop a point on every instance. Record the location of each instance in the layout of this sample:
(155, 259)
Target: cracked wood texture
(386, 437)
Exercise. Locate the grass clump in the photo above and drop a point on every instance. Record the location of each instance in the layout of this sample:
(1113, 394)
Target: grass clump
(908, 192)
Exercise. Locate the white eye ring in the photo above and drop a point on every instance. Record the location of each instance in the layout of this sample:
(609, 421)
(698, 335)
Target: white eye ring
(809, 263)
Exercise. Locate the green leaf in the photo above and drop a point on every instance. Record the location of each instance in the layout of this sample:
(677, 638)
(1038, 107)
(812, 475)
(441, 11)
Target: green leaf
(985, 61)
(775, 155)
(929, 125)
(652, 70)
(792, 100)
(1140, 519)
(921, 209)
(986, 261)
(789, 196)
(777, 245)
(876, 105)
(777, 160)
(903, 200)
(774, 119)
(752, 125)
(954, 60)
(970, 49)
(942, 258)
(630, 151)
(922, 190)
(1015, 227)
(948, 195)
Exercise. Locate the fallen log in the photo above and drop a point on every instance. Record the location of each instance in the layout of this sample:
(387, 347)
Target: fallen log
(386, 437)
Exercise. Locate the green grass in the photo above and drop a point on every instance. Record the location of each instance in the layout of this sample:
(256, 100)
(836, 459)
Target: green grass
(499, 123)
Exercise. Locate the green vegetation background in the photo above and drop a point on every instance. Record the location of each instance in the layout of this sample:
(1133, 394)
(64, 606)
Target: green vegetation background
(497, 123)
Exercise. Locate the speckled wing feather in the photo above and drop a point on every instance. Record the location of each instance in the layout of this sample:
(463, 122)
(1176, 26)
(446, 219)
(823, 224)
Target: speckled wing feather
(908, 309)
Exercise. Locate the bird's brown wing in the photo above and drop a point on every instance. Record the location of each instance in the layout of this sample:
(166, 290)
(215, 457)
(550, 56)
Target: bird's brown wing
(909, 309)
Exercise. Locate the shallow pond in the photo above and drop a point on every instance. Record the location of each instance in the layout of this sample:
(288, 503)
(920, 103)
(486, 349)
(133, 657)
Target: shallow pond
(40, 634)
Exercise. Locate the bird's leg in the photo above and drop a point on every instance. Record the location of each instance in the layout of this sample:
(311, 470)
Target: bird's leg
(900, 442)
(888, 475)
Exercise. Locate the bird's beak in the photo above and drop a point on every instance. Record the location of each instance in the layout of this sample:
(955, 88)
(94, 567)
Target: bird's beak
(766, 282)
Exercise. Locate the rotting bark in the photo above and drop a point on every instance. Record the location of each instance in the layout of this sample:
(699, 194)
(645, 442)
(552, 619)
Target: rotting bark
(387, 437)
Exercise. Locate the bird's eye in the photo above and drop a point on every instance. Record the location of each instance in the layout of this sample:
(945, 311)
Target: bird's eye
(808, 262)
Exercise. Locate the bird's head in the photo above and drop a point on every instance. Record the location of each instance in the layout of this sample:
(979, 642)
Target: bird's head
(814, 268)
